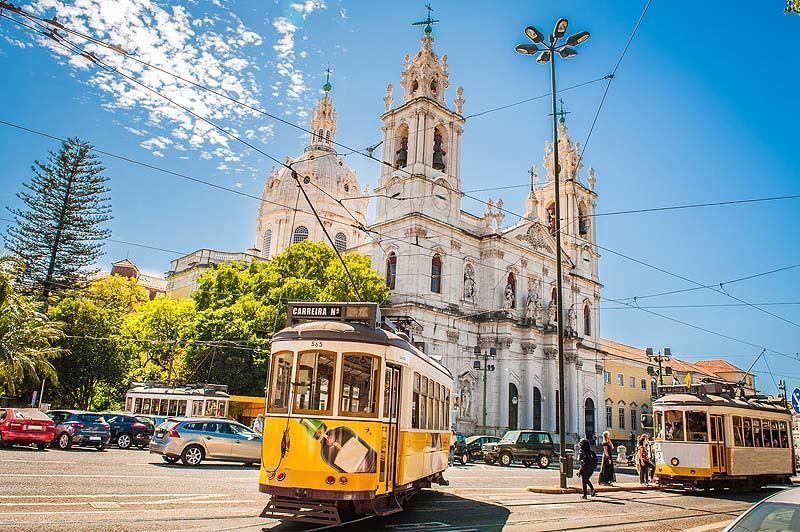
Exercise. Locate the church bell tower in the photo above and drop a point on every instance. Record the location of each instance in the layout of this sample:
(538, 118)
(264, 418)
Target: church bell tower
(421, 138)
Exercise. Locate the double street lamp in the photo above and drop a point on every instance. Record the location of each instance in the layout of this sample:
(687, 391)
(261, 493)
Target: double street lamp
(546, 53)
(488, 365)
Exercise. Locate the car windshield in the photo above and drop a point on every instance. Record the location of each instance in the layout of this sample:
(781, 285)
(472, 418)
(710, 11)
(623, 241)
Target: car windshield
(146, 421)
(30, 414)
(770, 517)
(92, 418)
(473, 439)
(511, 436)
(241, 430)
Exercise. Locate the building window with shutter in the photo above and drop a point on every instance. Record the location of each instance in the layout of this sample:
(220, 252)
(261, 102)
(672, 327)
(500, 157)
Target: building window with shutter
(436, 274)
(300, 234)
(266, 243)
(391, 270)
(340, 242)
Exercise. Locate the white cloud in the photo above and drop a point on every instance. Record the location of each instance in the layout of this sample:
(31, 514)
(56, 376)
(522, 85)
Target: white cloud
(308, 6)
(209, 51)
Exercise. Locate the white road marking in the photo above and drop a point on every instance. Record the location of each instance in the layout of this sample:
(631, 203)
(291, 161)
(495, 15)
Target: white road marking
(43, 475)
(37, 461)
(103, 495)
(710, 526)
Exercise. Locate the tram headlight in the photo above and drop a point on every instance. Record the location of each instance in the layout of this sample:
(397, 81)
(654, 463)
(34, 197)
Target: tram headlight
(330, 480)
(675, 461)
(281, 476)
(343, 480)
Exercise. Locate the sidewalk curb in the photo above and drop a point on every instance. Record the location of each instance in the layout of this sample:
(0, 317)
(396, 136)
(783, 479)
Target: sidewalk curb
(556, 490)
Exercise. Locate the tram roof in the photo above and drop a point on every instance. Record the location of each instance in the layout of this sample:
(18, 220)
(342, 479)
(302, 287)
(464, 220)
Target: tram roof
(352, 332)
(687, 399)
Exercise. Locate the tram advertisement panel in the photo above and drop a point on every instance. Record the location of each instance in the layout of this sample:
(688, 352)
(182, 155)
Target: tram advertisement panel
(317, 448)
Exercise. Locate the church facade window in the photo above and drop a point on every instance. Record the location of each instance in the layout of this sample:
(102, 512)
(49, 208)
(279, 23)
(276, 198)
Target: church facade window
(401, 154)
(436, 274)
(438, 149)
(266, 243)
(300, 234)
(319, 135)
(511, 290)
(391, 270)
(328, 137)
(551, 218)
(340, 242)
(583, 220)
(587, 320)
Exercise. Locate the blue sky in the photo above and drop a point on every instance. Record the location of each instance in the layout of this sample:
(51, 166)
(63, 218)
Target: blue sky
(699, 111)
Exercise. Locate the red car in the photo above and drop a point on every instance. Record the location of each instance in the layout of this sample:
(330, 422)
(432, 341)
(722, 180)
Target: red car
(25, 426)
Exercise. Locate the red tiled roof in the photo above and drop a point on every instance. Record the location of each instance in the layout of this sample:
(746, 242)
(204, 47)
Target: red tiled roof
(717, 366)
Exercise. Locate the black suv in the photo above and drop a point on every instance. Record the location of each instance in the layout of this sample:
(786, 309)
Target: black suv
(472, 447)
(128, 430)
(526, 446)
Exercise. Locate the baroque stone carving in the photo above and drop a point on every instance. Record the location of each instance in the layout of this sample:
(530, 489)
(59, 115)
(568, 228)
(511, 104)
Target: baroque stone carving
(528, 347)
(492, 253)
(535, 237)
(452, 336)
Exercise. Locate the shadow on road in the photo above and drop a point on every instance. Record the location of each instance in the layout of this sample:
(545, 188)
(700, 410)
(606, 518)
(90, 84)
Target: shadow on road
(207, 466)
(429, 511)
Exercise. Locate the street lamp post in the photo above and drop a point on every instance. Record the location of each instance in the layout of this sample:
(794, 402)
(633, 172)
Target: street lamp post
(486, 368)
(547, 54)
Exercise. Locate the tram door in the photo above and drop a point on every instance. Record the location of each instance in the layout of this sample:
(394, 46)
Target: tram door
(717, 441)
(389, 444)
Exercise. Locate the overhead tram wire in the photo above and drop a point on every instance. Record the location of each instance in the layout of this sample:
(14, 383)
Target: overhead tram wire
(612, 75)
(93, 58)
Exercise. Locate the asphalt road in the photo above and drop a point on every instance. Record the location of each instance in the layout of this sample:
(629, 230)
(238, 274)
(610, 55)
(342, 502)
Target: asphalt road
(134, 490)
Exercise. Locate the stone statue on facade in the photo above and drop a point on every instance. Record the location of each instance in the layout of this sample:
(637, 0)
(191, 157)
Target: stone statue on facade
(401, 155)
(551, 312)
(469, 283)
(438, 151)
(509, 297)
(572, 318)
(465, 400)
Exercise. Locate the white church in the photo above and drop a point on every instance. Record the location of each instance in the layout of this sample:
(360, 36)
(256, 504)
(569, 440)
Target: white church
(463, 283)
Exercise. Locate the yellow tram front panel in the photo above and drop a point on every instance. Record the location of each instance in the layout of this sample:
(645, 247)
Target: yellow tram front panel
(322, 454)
(683, 459)
(422, 454)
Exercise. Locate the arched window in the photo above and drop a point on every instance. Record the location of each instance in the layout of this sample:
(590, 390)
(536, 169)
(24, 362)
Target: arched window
(391, 270)
(588, 418)
(511, 283)
(319, 135)
(438, 149)
(436, 274)
(634, 418)
(401, 153)
(434, 86)
(469, 282)
(513, 406)
(537, 409)
(551, 218)
(583, 220)
(414, 86)
(587, 320)
(553, 293)
(609, 414)
(621, 414)
(328, 137)
(340, 242)
(266, 243)
(300, 234)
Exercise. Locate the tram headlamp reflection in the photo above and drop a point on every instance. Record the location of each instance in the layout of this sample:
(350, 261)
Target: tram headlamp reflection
(343, 480)
(330, 480)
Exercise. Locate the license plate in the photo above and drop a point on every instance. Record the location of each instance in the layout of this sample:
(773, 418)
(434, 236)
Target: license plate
(34, 427)
(94, 438)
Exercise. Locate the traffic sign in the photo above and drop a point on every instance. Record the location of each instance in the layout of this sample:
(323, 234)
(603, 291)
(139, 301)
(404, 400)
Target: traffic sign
(796, 400)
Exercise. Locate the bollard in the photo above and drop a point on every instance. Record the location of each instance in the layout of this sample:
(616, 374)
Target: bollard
(567, 463)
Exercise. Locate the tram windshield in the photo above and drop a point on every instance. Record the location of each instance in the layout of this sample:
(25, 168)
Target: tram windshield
(359, 385)
(697, 426)
(658, 427)
(673, 425)
(280, 382)
(314, 382)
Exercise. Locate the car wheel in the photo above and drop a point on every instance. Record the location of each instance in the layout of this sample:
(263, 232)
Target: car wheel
(124, 441)
(64, 441)
(41, 446)
(192, 455)
(464, 459)
(169, 459)
(543, 461)
(506, 459)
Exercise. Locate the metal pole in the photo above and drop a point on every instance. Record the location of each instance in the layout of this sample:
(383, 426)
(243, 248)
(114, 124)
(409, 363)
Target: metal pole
(485, 371)
(660, 372)
(41, 394)
(562, 432)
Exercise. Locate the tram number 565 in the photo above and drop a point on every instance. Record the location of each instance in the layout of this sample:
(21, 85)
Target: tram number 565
(316, 344)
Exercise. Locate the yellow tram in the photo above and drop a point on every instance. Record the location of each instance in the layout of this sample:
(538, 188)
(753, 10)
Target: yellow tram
(707, 437)
(357, 418)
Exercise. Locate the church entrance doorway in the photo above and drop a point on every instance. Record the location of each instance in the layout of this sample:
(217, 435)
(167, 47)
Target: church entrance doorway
(513, 406)
(588, 423)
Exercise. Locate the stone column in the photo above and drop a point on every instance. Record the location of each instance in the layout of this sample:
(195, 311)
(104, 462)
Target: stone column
(501, 370)
(550, 388)
(526, 394)
(581, 417)
(572, 393)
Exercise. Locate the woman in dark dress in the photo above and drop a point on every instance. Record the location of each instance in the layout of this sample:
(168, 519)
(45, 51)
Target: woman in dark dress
(588, 461)
(607, 467)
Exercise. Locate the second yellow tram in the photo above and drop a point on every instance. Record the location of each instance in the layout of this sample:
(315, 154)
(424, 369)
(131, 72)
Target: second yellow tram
(707, 437)
(357, 418)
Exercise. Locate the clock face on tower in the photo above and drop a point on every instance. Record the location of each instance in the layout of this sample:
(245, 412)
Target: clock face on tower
(441, 197)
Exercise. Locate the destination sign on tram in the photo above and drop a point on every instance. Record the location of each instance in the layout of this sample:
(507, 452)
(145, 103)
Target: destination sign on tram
(315, 311)
(299, 311)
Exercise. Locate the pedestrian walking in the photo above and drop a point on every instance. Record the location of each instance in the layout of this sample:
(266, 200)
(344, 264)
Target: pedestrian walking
(607, 466)
(588, 461)
(258, 424)
(651, 452)
(643, 462)
(452, 448)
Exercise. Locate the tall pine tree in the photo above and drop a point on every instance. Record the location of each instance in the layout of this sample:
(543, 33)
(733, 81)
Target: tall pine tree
(59, 232)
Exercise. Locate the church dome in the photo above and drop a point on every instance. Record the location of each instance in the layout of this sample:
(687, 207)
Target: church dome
(331, 186)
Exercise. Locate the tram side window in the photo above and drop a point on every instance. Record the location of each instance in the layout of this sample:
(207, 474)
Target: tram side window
(359, 376)
(738, 437)
(658, 425)
(423, 403)
(279, 385)
(387, 386)
(673, 425)
(314, 382)
(415, 403)
(697, 426)
(437, 410)
(757, 432)
(784, 435)
(748, 432)
(766, 432)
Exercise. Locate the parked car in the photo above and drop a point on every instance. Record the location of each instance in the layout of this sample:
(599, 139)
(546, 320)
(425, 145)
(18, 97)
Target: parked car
(192, 440)
(76, 427)
(471, 448)
(128, 430)
(780, 511)
(25, 426)
(526, 446)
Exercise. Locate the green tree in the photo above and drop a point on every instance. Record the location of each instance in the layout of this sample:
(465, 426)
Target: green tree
(156, 338)
(240, 308)
(26, 334)
(92, 365)
(58, 233)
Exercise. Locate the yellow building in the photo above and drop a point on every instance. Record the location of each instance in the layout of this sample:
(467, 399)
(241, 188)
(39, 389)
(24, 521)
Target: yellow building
(629, 389)
(185, 271)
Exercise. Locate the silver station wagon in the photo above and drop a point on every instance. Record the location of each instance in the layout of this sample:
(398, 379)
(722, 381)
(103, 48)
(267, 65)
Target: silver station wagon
(192, 440)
